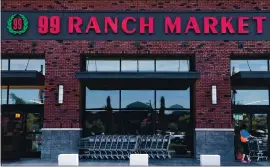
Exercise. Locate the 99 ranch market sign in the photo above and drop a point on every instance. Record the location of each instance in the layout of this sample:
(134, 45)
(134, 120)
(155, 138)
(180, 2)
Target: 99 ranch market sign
(80, 25)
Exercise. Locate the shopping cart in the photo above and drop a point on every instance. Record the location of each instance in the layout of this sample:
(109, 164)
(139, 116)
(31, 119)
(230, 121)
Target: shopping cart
(257, 148)
(121, 146)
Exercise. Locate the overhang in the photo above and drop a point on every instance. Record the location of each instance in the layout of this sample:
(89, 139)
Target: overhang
(138, 80)
(22, 78)
(250, 108)
(251, 78)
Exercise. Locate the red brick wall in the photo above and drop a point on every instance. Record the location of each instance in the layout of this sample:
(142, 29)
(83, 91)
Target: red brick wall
(63, 61)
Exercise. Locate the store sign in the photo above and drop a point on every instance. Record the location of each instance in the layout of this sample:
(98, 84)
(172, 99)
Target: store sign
(81, 25)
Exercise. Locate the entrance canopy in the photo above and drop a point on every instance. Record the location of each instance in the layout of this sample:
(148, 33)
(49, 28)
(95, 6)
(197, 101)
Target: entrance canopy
(138, 80)
(251, 78)
(22, 78)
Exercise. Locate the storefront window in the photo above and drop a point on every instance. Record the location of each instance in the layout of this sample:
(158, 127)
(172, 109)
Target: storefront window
(140, 99)
(4, 64)
(102, 112)
(103, 65)
(172, 65)
(174, 117)
(250, 97)
(102, 98)
(141, 112)
(248, 65)
(28, 64)
(138, 65)
(26, 96)
(174, 99)
(138, 109)
(3, 96)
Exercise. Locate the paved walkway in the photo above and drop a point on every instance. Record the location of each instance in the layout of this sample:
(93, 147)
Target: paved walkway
(171, 162)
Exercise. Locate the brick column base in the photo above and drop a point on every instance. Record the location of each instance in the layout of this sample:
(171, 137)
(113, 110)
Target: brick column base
(215, 141)
(57, 141)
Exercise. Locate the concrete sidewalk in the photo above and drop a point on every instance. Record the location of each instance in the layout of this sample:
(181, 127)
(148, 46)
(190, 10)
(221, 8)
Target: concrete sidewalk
(169, 162)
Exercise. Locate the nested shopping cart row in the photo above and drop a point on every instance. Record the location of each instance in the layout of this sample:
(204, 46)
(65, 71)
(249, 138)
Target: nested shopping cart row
(121, 146)
(258, 148)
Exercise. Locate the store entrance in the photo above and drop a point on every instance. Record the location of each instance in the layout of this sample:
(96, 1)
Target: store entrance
(21, 134)
(257, 124)
(141, 112)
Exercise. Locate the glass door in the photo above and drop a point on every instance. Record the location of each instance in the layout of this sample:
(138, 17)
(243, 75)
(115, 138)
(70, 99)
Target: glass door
(11, 130)
(257, 125)
(32, 135)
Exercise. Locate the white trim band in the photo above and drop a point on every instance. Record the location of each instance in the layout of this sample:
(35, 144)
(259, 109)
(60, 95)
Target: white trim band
(215, 129)
(43, 129)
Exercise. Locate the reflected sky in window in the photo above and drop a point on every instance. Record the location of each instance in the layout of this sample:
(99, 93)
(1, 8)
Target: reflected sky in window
(3, 96)
(103, 65)
(98, 98)
(140, 65)
(137, 65)
(172, 65)
(137, 98)
(174, 98)
(252, 97)
(25, 96)
(31, 64)
(4, 64)
(249, 65)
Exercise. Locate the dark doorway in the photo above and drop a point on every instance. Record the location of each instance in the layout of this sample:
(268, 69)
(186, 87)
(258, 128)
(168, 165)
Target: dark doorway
(258, 126)
(21, 131)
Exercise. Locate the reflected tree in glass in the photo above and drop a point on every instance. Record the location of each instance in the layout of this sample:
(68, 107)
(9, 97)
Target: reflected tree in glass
(161, 113)
(32, 122)
(109, 112)
(172, 126)
(16, 99)
(97, 127)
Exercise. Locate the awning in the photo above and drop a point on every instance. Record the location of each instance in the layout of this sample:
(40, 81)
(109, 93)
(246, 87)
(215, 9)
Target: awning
(251, 78)
(138, 80)
(251, 108)
(22, 108)
(22, 78)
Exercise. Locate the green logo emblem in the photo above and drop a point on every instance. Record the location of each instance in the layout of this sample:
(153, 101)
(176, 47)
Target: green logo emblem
(17, 24)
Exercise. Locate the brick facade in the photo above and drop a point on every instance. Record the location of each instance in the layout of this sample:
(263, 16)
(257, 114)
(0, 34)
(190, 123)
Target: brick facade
(63, 57)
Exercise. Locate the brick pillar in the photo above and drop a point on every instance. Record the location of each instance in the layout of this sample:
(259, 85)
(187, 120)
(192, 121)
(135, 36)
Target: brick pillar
(213, 127)
(61, 128)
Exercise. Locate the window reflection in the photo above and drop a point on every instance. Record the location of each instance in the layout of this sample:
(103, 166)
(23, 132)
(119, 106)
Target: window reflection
(172, 65)
(102, 65)
(26, 96)
(3, 96)
(137, 99)
(168, 113)
(28, 64)
(32, 143)
(248, 65)
(4, 64)
(138, 111)
(33, 122)
(146, 65)
(102, 98)
(173, 99)
(138, 65)
(250, 97)
(107, 121)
